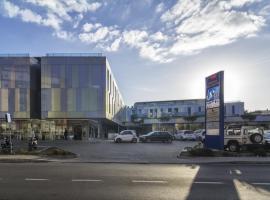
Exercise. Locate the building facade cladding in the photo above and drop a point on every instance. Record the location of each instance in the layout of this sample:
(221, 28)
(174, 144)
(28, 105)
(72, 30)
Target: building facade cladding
(79, 87)
(15, 86)
(181, 108)
(72, 87)
(115, 108)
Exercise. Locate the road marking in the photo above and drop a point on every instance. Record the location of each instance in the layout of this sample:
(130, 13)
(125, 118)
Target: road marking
(238, 172)
(86, 180)
(261, 183)
(208, 182)
(36, 179)
(148, 181)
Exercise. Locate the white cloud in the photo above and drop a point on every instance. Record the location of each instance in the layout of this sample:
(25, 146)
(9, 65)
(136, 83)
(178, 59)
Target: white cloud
(213, 26)
(160, 7)
(56, 13)
(63, 8)
(236, 3)
(181, 10)
(187, 27)
(115, 45)
(87, 27)
(10, 9)
(159, 36)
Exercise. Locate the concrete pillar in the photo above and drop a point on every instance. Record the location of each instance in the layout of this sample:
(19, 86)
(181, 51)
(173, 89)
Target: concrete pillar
(100, 130)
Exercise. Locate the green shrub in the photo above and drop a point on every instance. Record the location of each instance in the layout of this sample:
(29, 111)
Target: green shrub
(260, 152)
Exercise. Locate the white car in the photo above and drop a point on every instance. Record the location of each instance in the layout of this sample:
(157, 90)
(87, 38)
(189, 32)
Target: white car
(185, 135)
(200, 134)
(126, 136)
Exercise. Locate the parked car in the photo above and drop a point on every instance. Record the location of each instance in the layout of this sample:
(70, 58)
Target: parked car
(244, 136)
(157, 136)
(126, 136)
(266, 136)
(185, 135)
(200, 134)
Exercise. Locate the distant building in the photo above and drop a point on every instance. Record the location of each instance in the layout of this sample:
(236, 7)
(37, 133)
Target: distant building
(181, 108)
(173, 115)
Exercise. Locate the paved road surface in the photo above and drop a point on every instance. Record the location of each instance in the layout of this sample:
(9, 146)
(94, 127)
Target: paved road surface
(133, 181)
(104, 151)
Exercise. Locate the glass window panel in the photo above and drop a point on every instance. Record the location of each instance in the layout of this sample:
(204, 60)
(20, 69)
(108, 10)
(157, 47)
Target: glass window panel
(68, 74)
(75, 78)
(56, 99)
(71, 100)
(78, 100)
(83, 74)
(63, 100)
(23, 100)
(11, 100)
(56, 76)
(46, 99)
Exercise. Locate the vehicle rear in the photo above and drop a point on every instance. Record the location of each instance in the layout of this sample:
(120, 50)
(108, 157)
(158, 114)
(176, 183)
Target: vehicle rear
(189, 135)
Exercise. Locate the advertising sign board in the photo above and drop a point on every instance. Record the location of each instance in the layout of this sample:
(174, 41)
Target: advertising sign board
(214, 113)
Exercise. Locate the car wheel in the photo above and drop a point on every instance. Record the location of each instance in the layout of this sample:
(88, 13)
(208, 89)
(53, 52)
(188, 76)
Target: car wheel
(169, 140)
(233, 146)
(256, 138)
(148, 140)
(134, 140)
(118, 140)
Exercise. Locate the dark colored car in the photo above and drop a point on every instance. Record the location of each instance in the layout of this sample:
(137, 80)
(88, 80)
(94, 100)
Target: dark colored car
(157, 136)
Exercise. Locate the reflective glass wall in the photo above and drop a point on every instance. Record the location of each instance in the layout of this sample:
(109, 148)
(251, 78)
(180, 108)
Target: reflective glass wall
(15, 86)
(73, 87)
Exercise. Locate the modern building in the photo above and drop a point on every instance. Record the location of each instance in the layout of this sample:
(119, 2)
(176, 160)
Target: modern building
(19, 92)
(173, 115)
(55, 92)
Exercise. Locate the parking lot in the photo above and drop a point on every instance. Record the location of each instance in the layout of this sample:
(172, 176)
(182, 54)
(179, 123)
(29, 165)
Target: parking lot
(108, 151)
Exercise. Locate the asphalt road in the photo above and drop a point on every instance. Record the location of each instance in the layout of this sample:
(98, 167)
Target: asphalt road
(133, 181)
(108, 151)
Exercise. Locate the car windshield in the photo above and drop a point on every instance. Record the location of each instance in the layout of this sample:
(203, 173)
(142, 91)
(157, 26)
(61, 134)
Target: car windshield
(198, 131)
(150, 133)
(124, 133)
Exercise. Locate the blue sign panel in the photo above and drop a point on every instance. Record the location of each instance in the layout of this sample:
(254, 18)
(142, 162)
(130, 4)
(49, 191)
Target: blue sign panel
(214, 111)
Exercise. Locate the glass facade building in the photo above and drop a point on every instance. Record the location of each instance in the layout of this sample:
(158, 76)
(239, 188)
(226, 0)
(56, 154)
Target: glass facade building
(15, 87)
(55, 92)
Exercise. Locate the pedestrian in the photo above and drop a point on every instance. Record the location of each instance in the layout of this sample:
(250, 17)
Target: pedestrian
(65, 134)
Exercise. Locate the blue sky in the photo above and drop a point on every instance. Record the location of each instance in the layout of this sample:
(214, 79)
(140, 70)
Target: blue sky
(158, 50)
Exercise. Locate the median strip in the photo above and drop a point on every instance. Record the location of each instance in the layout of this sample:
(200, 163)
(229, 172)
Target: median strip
(208, 182)
(261, 183)
(86, 180)
(36, 179)
(148, 181)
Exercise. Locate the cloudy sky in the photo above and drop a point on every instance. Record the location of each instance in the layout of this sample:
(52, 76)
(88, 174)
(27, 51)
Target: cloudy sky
(158, 50)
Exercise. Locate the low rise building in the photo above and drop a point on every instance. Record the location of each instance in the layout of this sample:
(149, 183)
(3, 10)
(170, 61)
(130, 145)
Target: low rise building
(174, 115)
